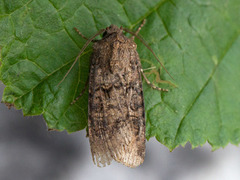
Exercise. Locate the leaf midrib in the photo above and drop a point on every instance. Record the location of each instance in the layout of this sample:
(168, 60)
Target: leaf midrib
(204, 86)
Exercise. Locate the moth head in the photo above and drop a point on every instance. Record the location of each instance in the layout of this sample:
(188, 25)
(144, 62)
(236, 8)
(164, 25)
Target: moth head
(112, 29)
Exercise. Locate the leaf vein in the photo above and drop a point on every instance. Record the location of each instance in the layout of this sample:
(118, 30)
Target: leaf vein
(149, 13)
(204, 86)
(168, 32)
(64, 65)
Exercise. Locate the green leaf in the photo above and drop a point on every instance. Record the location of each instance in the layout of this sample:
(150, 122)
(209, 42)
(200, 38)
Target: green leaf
(197, 41)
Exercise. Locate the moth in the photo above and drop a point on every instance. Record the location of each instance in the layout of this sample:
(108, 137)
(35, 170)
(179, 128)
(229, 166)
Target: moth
(116, 116)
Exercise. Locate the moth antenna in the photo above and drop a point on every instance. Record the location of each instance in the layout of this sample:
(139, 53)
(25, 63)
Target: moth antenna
(139, 28)
(84, 47)
(145, 44)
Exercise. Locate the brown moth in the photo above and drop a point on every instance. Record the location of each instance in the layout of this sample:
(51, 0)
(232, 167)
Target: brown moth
(116, 120)
(116, 116)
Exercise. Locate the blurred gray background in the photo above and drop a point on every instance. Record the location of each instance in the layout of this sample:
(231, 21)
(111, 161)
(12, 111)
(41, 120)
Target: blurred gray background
(29, 152)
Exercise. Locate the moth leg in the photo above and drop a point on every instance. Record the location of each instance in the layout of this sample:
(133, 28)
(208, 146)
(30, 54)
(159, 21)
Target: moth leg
(139, 28)
(87, 132)
(81, 93)
(151, 84)
(149, 69)
(158, 78)
(84, 37)
(154, 71)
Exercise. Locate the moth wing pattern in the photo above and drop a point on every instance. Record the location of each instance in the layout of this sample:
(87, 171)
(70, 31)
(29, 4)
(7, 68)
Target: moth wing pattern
(116, 121)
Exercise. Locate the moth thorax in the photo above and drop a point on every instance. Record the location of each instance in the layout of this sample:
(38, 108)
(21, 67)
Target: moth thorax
(111, 30)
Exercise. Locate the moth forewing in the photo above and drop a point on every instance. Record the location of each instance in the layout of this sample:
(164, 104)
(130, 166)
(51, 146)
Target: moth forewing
(116, 119)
